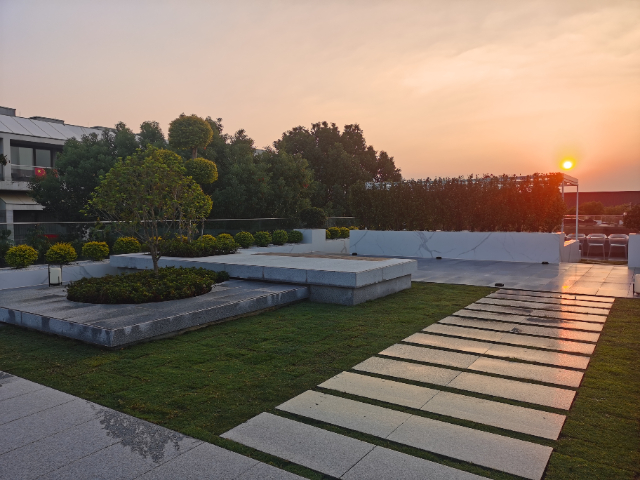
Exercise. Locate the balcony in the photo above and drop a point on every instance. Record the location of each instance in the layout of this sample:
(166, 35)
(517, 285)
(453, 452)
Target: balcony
(24, 174)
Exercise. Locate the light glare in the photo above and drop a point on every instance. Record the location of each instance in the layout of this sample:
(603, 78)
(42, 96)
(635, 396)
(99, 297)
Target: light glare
(567, 164)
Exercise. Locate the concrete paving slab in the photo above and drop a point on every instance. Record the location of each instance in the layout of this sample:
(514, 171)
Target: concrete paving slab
(45, 423)
(553, 301)
(519, 329)
(511, 338)
(463, 345)
(430, 355)
(505, 454)
(557, 376)
(544, 306)
(358, 416)
(264, 471)
(204, 461)
(30, 403)
(11, 386)
(566, 316)
(554, 397)
(384, 464)
(539, 356)
(327, 452)
(501, 415)
(408, 371)
(379, 389)
(513, 318)
(451, 330)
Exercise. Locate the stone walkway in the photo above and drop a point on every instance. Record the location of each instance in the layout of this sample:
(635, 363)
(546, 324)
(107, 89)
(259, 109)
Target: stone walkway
(504, 361)
(47, 434)
(580, 278)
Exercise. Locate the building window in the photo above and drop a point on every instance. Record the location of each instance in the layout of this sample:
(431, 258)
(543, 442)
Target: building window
(43, 158)
(22, 156)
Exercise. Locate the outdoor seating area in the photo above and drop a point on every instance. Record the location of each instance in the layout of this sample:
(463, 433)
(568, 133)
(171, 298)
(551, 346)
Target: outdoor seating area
(600, 245)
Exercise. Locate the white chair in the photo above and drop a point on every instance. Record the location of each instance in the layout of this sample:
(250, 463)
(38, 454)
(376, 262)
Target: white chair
(581, 239)
(596, 240)
(619, 240)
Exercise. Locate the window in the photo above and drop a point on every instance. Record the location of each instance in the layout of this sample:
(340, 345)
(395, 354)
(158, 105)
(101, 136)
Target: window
(43, 158)
(22, 156)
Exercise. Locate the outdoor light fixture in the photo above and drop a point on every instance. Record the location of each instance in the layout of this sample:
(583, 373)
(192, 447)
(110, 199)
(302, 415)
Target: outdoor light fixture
(55, 275)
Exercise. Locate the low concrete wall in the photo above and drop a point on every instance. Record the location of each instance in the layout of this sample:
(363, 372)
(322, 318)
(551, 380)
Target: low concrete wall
(634, 250)
(38, 274)
(496, 246)
(570, 252)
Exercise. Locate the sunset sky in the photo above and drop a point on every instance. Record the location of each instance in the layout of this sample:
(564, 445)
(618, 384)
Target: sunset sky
(447, 87)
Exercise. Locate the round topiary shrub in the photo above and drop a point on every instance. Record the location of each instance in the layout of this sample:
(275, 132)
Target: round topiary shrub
(203, 171)
(313, 217)
(142, 287)
(225, 244)
(279, 237)
(263, 239)
(207, 244)
(344, 232)
(95, 250)
(61, 254)
(126, 245)
(295, 236)
(334, 232)
(21, 256)
(245, 239)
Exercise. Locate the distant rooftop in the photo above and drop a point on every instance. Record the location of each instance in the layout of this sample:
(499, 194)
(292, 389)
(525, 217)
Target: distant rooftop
(42, 127)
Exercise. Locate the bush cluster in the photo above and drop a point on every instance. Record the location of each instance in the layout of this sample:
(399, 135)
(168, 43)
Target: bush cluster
(61, 254)
(95, 250)
(205, 246)
(244, 239)
(294, 236)
(21, 256)
(279, 237)
(143, 287)
(453, 204)
(126, 245)
(263, 239)
(338, 232)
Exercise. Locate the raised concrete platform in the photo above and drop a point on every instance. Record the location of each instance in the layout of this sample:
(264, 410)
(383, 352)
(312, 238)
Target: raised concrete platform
(47, 309)
(340, 279)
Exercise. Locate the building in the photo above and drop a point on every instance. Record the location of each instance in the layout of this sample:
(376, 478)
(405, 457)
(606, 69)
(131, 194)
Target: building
(29, 147)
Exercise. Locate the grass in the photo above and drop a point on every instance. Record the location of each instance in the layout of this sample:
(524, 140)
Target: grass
(204, 382)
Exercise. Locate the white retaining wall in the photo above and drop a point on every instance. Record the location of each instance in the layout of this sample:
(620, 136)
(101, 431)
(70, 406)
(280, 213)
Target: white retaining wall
(38, 274)
(496, 246)
(634, 250)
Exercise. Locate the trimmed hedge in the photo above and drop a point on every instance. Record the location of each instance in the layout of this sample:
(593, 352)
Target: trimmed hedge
(244, 239)
(61, 254)
(344, 232)
(488, 204)
(126, 245)
(95, 250)
(144, 287)
(225, 244)
(21, 256)
(333, 233)
(279, 237)
(263, 239)
(295, 236)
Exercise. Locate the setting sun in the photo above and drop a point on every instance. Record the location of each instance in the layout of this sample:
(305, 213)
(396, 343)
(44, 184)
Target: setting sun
(567, 164)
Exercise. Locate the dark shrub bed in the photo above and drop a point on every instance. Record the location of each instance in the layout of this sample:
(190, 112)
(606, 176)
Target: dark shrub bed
(143, 287)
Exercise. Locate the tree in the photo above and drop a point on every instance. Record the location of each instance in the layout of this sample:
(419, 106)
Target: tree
(632, 217)
(190, 133)
(339, 160)
(65, 190)
(148, 194)
(591, 208)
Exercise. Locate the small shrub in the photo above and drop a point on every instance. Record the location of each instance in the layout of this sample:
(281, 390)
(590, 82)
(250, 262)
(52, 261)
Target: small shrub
(95, 250)
(295, 236)
(21, 256)
(207, 244)
(327, 234)
(344, 232)
(313, 217)
(177, 248)
(245, 239)
(142, 287)
(353, 228)
(126, 245)
(334, 232)
(263, 239)
(226, 244)
(5, 244)
(279, 237)
(61, 254)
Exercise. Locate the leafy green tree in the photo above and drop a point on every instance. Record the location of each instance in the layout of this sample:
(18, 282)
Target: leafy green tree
(339, 160)
(591, 208)
(190, 133)
(149, 195)
(632, 217)
(151, 135)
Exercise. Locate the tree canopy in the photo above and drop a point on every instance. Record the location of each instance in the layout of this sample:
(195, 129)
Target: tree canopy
(339, 160)
(190, 133)
(149, 195)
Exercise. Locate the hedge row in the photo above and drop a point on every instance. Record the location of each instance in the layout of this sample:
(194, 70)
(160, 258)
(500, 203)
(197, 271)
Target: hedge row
(476, 204)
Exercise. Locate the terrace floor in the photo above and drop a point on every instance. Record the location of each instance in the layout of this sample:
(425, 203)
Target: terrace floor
(578, 278)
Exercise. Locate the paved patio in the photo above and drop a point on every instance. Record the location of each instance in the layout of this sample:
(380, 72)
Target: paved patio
(580, 278)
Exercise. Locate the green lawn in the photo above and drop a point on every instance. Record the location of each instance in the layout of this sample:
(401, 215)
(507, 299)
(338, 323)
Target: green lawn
(204, 382)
